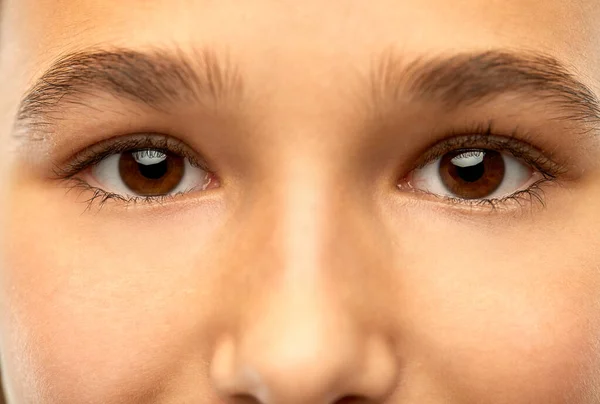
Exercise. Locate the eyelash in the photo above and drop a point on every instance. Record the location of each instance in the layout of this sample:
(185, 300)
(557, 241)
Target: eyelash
(485, 137)
(101, 197)
(98, 152)
(479, 136)
(534, 193)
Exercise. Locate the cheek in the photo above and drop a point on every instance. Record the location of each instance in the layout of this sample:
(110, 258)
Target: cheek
(99, 309)
(527, 350)
(509, 322)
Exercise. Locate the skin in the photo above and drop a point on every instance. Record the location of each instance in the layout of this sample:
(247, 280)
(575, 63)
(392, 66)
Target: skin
(305, 277)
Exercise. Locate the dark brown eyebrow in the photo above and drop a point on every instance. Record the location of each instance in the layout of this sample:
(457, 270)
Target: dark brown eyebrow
(154, 78)
(469, 78)
(158, 77)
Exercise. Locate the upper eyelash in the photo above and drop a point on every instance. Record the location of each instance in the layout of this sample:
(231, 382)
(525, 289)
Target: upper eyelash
(484, 137)
(100, 151)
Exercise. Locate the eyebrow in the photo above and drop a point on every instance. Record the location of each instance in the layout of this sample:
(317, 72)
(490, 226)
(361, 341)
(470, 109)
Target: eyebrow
(467, 79)
(154, 78)
(159, 77)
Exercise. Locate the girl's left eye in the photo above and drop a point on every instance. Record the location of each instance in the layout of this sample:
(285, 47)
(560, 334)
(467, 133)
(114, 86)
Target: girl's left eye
(148, 173)
(474, 174)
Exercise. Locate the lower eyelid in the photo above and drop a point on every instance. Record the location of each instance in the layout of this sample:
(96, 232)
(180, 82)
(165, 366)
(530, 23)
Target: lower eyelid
(94, 197)
(533, 196)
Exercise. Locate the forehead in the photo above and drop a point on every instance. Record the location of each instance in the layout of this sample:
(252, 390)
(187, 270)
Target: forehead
(44, 26)
(305, 39)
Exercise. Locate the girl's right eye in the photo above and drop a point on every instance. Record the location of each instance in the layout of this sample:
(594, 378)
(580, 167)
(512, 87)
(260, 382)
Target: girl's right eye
(147, 173)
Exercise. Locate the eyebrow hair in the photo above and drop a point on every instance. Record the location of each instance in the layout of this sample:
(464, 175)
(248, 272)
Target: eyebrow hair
(154, 78)
(470, 78)
(158, 77)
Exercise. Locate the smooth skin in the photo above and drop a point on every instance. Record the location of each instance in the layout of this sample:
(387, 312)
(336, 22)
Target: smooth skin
(306, 276)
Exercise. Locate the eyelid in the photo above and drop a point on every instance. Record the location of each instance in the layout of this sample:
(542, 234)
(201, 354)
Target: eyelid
(487, 140)
(99, 151)
(535, 193)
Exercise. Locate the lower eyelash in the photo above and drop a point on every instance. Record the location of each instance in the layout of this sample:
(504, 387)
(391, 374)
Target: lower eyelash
(534, 194)
(100, 197)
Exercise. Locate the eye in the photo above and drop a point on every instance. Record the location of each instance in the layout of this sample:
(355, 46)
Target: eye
(148, 173)
(474, 174)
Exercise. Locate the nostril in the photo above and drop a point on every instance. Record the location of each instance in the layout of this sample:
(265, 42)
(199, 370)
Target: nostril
(352, 399)
(244, 399)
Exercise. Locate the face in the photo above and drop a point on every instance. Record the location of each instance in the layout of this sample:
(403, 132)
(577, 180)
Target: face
(300, 202)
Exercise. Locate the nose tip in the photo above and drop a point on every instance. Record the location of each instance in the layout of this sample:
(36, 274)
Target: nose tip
(301, 368)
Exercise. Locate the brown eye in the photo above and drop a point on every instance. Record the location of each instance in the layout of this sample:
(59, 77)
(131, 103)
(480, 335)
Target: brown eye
(473, 174)
(148, 173)
(151, 172)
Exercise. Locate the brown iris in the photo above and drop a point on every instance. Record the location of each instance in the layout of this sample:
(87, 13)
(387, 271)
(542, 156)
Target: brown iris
(472, 174)
(151, 172)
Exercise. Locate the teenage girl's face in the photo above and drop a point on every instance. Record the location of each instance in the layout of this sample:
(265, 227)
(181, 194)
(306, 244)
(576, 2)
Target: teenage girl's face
(311, 201)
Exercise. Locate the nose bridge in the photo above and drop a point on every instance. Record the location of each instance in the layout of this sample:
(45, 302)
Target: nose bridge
(298, 339)
(297, 224)
(304, 240)
(307, 227)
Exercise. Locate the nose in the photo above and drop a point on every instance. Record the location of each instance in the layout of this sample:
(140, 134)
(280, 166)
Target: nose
(306, 332)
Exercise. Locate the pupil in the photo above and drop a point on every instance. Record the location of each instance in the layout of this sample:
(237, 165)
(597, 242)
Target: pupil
(154, 171)
(472, 173)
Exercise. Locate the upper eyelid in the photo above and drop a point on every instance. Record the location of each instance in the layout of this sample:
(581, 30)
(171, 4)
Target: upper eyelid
(97, 152)
(480, 137)
(520, 149)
